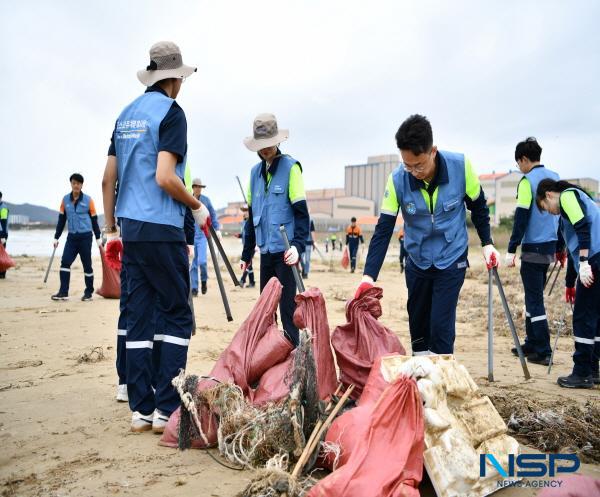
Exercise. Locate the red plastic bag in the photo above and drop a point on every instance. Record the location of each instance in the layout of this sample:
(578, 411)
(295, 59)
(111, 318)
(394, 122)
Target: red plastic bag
(311, 313)
(6, 261)
(388, 461)
(345, 258)
(362, 340)
(111, 280)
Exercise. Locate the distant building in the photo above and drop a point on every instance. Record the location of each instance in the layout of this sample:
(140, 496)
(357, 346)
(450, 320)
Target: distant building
(368, 180)
(18, 219)
(334, 204)
(590, 185)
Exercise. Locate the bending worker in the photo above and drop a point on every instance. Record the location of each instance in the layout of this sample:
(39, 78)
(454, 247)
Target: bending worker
(147, 158)
(78, 212)
(433, 189)
(200, 243)
(353, 237)
(275, 198)
(537, 231)
(580, 217)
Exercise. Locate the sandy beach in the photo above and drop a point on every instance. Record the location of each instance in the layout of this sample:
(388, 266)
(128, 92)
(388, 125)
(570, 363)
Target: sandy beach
(63, 433)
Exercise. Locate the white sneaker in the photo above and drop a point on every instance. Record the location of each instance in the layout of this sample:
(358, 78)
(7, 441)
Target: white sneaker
(141, 422)
(122, 393)
(159, 421)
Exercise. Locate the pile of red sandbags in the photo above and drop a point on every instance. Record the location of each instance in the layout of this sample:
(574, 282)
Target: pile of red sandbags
(6, 261)
(362, 340)
(111, 280)
(381, 442)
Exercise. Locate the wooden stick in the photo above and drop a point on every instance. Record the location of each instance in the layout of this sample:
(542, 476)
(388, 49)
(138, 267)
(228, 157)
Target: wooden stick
(309, 449)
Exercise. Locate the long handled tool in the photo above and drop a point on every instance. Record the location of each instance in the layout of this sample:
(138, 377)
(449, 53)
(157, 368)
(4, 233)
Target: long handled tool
(242, 190)
(49, 265)
(213, 235)
(555, 344)
(319, 252)
(213, 256)
(511, 323)
(286, 241)
(490, 327)
(550, 275)
(554, 282)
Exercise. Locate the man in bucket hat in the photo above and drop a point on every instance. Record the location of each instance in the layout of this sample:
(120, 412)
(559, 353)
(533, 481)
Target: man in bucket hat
(275, 197)
(146, 162)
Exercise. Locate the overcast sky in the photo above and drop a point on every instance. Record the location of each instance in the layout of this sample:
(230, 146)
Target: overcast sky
(341, 75)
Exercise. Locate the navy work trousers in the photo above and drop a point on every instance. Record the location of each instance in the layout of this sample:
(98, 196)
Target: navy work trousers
(536, 322)
(157, 284)
(77, 244)
(586, 327)
(273, 265)
(352, 251)
(432, 299)
(122, 330)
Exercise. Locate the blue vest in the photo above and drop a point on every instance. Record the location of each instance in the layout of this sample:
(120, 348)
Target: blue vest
(271, 206)
(440, 237)
(542, 226)
(136, 143)
(78, 217)
(592, 215)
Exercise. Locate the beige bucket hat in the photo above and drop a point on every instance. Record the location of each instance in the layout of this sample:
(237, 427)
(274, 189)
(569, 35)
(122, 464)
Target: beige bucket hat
(165, 62)
(266, 133)
(198, 182)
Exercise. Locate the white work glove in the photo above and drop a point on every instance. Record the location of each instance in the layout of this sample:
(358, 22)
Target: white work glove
(586, 275)
(491, 256)
(99, 242)
(365, 283)
(510, 259)
(291, 256)
(2, 241)
(191, 252)
(55, 243)
(201, 215)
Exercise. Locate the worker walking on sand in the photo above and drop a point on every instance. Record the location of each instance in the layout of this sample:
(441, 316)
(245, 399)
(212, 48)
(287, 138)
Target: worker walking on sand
(432, 188)
(200, 243)
(580, 217)
(249, 272)
(537, 231)
(276, 198)
(353, 237)
(3, 228)
(147, 159)
(78, 212)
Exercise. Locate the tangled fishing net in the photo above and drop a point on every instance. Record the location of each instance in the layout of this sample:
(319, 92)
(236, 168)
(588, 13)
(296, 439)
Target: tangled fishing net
(552, 426)
(251, 436)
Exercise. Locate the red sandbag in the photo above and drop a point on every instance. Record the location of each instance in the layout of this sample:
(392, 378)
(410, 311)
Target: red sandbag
(311, 313)
(362, 340)
(111, 280)
(236, 363)
(345, 258)
(6, 261)
(342, 431)
(272, 386)
(574, 486)
(271, 349)
(388, 461)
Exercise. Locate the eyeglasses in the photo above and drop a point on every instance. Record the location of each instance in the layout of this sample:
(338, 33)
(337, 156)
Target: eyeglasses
(417, 168)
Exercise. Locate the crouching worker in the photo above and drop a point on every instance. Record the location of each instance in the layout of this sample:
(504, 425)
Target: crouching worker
(275, 198)
(78, 212)
(581, 230)
(433, 189)
(146, 159)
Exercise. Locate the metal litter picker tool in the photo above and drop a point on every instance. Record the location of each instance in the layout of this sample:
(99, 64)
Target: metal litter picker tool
(511, 324)
(550, 275)
(490, 327)
(286, 241)
(213, 235)
(554, 282)
(213, 256)
(49, 265)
